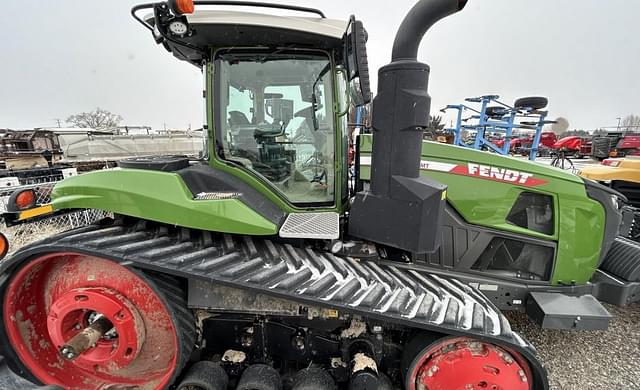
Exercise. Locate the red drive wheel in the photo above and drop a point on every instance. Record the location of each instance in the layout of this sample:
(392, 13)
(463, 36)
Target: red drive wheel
(54, 301)
(467, 364)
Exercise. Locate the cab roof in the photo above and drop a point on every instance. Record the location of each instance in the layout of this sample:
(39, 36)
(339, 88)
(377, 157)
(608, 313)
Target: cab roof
(222, 28)
(328, 28)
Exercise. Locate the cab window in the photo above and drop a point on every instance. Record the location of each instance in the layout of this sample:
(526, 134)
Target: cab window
(276, 120)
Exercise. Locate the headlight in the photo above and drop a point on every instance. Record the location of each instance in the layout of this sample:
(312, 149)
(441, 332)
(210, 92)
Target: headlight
(617, 202)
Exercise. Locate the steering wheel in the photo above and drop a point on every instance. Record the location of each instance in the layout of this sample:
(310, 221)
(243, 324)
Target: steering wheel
(319, 171)
(308, 114)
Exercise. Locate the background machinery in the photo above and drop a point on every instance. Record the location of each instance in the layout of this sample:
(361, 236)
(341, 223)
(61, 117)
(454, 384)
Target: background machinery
(259, 267)
(41, 156)
(491, 126)
(28, 157)
(574, 146)
(622, 175)
(615, 144)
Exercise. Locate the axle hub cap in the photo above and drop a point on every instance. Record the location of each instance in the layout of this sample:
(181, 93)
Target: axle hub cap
(70, 313)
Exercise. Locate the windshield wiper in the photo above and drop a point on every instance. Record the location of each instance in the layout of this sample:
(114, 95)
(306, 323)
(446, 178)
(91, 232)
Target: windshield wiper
(314, 97)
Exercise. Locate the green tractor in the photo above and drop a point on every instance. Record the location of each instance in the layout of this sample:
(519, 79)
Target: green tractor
(268, 265)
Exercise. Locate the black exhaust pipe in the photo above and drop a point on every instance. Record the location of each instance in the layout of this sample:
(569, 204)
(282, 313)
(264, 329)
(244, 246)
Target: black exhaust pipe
(410, 206)
(422, 16)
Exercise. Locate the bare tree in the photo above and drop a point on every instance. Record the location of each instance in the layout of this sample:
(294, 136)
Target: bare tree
(98, 119)
(579, 133)
(630, 123)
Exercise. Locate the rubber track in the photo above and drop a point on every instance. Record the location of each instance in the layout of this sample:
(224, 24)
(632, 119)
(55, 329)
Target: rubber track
(174, 291)
(623, 259)
(410, 297)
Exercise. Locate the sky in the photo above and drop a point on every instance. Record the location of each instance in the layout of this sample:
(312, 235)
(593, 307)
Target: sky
(63, 57)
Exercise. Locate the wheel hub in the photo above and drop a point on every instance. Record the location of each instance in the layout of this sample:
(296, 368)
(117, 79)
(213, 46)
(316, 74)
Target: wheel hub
(73, 312)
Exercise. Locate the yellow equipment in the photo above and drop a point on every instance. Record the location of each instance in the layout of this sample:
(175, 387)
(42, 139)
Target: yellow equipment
(622, 175)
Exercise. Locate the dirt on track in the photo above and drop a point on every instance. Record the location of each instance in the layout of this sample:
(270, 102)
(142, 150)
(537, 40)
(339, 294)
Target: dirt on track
(589, 359)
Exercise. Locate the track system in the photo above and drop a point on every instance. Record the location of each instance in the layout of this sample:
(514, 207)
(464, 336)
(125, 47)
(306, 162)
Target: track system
(399, 297)
(623, 259)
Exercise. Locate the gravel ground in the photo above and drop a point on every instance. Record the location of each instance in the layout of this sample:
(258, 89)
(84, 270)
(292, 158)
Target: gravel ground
(589, 360)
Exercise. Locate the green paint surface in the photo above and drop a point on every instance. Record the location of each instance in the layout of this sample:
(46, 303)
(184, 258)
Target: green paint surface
(157, 196)
(579, 220)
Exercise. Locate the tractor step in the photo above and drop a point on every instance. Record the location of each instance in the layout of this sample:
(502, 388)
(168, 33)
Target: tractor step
(610, 289)
(566, 312)
(623, 260)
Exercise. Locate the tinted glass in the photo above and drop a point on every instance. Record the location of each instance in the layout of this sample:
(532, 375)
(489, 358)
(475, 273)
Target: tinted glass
(277, 120)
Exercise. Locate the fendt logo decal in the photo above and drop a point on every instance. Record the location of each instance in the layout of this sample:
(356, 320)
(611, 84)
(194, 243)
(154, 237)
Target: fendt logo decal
(486, 172)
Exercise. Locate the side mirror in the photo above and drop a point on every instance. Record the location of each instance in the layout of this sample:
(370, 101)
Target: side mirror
(355, 45)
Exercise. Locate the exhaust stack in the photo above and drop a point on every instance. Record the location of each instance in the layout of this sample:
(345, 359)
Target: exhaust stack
(422, 16)
(402, 209)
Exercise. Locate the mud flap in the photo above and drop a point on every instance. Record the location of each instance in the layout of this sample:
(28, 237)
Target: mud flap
(561, 311)
(623, 260)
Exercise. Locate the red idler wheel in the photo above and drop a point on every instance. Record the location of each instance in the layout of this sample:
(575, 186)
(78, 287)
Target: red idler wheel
(466, 364)
(53, 297)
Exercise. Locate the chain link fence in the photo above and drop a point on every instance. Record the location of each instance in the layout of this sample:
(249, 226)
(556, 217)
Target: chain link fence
(26, 233)
(42, 191)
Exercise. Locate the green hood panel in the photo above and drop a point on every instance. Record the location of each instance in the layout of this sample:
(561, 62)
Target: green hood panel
(579, 221)
(157, 196)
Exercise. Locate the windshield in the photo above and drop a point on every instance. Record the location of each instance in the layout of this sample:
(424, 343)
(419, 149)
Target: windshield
(276, 119)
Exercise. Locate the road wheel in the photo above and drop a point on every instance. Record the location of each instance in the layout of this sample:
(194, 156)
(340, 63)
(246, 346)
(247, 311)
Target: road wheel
(495, 112)
(532, 103)
(50, 304)
(463, 363)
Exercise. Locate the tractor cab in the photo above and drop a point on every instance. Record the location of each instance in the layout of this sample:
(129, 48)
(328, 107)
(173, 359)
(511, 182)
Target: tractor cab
(276, 89)
(275, 118)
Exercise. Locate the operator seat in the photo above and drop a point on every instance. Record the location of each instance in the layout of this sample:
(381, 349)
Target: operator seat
(238, 118)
